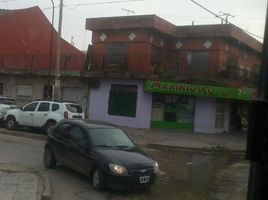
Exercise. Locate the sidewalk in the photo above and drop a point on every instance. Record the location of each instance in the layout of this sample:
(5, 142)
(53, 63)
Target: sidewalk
(178, 139)
(19, 183)
(169, 138)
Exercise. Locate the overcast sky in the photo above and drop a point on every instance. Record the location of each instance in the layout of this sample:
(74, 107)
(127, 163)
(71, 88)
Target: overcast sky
(248, 14)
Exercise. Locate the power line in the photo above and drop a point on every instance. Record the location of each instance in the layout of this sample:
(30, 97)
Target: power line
(5, 1)
(218, 16)
(93, 3)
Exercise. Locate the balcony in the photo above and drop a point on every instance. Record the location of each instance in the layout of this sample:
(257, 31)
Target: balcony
(41, 64)
(127, 66)
(141, 66)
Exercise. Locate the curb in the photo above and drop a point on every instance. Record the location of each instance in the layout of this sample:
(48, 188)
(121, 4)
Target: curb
(195, 149)
(46, 193)
(23, 134)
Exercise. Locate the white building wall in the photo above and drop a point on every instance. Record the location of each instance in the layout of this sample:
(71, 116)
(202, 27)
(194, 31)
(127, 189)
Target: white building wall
(98, 106)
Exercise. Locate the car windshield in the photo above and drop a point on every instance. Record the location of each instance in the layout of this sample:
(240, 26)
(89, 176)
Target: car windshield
(110, 137)
(8, 101)
(74, 108)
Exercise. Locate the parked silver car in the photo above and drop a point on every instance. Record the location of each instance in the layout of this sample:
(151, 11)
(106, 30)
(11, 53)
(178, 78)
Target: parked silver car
(43, 114)
(6, 104)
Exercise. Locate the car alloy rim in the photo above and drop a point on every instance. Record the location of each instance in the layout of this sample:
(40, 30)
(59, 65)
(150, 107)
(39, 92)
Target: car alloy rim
(96, 179)
(10, 123)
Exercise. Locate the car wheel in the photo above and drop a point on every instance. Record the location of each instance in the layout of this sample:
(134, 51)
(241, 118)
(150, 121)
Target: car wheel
(98, 179)
(49, 126)
(49, 158)
(11, 123)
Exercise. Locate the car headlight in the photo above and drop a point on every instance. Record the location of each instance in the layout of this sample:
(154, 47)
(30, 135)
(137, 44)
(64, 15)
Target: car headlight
(118, 169)
(156, 168)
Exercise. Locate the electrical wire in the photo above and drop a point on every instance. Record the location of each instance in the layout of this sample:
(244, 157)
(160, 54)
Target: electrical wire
(73, 6)
(218, 16)
(5, 1)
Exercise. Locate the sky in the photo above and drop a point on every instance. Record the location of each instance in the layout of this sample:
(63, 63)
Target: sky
(246, 14)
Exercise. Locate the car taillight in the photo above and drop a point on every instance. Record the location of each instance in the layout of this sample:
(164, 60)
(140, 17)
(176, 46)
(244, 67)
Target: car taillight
(66, 115)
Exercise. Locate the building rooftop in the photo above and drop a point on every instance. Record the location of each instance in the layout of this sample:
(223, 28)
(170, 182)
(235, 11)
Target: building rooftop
(158, 24)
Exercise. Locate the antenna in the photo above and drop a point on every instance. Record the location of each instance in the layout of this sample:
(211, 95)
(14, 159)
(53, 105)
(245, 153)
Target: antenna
(227, 15)
(128, 11)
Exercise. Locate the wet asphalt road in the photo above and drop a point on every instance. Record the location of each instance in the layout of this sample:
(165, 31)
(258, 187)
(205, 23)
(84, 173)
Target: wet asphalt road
(186, 175)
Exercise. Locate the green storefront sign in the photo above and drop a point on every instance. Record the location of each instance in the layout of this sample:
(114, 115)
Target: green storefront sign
(199, 90)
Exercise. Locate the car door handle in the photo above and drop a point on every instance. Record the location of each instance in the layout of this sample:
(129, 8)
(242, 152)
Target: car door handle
(45, 114)
(31, 114)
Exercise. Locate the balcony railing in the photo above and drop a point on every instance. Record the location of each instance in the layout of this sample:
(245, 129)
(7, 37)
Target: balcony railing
(137, 64)
(143, 65)
(41, 62)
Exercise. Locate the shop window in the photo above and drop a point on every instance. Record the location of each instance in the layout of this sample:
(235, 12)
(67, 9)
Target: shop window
(186, 109)
(122, 100)
(198, 61)
(173, 108)
(219, 120)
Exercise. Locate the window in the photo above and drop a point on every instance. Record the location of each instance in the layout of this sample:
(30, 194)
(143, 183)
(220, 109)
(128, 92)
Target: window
(7, 101)
(77, 134)
(110, 137)
(219, 120)
(24, 91)
(198, 61)
(156, 58)
(55, 107)
(31, 107)
(43, 107)
(122, 100)
(74, 108)
(63, 130)
(116, 54)
(78, 138)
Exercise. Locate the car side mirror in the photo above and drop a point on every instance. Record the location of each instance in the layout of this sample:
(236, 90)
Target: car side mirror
(21, 108)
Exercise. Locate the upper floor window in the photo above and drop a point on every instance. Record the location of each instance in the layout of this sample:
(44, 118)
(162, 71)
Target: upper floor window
(116, 54)
(198, 61)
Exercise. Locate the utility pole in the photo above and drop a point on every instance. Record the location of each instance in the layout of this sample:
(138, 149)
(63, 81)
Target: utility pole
(57, 84)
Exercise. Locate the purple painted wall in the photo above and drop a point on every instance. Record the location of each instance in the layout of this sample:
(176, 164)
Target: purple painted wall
(205, 113)
(98, 105)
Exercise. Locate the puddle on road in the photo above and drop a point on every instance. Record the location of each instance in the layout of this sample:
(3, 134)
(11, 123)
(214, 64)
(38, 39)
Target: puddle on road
(188, 175)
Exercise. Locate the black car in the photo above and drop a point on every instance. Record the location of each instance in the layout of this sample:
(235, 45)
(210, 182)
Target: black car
(102, 152)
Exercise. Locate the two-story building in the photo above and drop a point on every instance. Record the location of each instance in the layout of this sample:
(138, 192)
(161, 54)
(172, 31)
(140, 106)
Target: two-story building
(151, 73)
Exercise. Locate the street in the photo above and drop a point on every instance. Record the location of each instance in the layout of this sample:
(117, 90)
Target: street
(186, 175)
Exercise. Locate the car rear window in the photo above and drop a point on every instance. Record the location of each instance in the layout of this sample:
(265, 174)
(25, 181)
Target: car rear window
(8, 101)
(74, 108)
